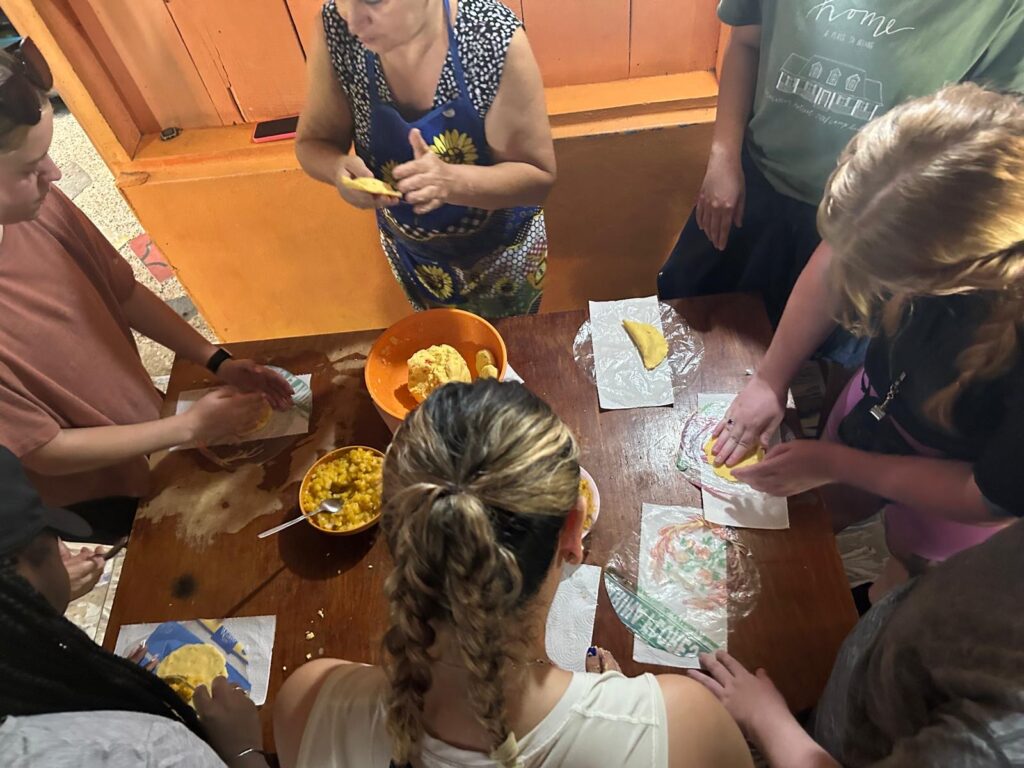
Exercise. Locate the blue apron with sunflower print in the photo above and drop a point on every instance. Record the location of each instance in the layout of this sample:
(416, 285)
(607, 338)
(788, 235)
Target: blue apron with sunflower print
(491, 263)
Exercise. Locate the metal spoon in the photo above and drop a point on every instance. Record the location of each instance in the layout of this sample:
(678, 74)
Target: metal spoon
(327, 505)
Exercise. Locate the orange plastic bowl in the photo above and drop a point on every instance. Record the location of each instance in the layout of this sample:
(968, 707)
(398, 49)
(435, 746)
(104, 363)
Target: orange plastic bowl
(387, 369)
(331, 456)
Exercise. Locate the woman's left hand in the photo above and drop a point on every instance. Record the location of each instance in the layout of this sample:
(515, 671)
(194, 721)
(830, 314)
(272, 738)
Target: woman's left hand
(425, 181)
(794, 467)
(249, 376)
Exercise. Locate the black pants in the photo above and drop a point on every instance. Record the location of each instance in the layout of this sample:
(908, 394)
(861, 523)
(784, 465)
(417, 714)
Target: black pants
(111, 518)
(765, 255)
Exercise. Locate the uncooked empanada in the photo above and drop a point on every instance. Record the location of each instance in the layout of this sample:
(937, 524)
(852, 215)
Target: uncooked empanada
(649, 342)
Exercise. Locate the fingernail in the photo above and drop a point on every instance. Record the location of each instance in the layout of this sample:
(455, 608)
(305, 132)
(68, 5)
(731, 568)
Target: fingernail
(591, 651)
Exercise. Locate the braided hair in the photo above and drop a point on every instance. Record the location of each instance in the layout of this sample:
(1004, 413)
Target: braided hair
(49, 665)
(477, 486)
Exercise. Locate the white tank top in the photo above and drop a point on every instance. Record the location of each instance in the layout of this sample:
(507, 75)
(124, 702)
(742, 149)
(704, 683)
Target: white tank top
(605, 719)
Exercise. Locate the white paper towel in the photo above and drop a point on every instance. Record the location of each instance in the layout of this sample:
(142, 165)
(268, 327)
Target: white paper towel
(255, 633)
(622, 380)
(570, 626)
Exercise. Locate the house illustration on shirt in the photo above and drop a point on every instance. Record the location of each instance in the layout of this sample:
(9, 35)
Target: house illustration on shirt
(831, 85)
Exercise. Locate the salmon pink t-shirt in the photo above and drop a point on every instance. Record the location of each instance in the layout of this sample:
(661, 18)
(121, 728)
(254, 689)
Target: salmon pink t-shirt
(67, 355)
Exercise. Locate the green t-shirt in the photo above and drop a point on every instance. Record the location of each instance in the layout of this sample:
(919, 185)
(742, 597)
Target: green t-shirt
(829, 66)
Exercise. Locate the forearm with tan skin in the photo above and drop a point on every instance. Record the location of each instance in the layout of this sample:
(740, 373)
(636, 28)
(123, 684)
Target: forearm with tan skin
(325, 132)
(721, 198)
(90, 448)
(942, 487)
(805, 325)
(151, 317)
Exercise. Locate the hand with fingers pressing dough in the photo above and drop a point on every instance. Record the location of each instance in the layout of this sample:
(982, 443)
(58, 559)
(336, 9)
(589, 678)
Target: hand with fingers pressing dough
(752, 418)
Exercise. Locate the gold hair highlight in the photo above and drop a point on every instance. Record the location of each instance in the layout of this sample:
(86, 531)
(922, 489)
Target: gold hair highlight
(928, 200)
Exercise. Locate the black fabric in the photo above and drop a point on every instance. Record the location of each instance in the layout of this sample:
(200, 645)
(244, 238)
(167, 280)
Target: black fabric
(22, 513)
(988, 417)
(111, 518)
(861, 430)
(765, 255)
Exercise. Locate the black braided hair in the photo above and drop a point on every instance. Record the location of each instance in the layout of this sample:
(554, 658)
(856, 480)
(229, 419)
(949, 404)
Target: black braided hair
(47, 664)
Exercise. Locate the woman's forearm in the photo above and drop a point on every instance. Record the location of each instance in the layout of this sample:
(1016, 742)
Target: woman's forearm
(787, 745)
(89, 448)
(736, 91)
(943, 487)
(151, 317)
(505, 185)
(321, 159)
(805, 325)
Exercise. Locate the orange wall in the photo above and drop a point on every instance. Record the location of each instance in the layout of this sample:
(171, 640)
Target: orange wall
(269, 252)
(205, 63)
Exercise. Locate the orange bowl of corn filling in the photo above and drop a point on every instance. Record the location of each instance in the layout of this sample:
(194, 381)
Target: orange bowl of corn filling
(353, 475)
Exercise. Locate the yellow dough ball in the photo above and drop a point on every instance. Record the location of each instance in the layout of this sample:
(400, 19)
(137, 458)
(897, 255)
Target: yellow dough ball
(190, 666)
(484, 358)
(725, 472)
(488, 372)
(434, 367)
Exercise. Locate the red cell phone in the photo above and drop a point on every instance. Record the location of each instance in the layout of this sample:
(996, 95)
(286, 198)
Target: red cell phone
(275, 130)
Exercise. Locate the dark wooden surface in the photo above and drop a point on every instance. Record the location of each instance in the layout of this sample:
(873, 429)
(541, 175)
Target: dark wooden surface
(804, 611)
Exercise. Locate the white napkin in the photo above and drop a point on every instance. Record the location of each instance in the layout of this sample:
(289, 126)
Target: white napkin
(746, 508)
(570, 626)
(511, 375)
(255, 633)
(622, 380)
(294, 421)
(653, 519)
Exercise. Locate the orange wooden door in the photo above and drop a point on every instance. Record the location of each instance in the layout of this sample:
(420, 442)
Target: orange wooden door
(579, 41)
(670, 36)
(245, 48)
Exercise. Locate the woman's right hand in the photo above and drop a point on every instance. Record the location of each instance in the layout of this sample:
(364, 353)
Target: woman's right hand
(753, 417)
(353, 167)
(721, 198)
(225, 413)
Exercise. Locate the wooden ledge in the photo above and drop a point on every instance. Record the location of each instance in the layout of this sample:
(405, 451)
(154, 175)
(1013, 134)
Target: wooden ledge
(576, 110)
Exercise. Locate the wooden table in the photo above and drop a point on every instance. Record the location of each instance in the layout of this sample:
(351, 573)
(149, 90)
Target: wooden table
(178, 568)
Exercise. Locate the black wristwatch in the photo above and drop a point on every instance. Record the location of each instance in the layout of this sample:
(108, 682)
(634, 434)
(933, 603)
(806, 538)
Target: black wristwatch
(217, 359)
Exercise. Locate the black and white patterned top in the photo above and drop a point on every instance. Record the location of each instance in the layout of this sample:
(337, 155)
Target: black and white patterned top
(483, 31)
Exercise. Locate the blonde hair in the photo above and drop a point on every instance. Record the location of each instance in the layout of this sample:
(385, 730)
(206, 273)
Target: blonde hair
(928, 200)
(12, 133)
(477, 484)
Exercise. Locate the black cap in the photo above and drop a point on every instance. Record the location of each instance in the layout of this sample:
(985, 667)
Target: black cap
(23, 514)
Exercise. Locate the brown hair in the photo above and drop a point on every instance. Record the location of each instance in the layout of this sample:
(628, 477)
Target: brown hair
(12, 133)
(928, 200)
(477, 484)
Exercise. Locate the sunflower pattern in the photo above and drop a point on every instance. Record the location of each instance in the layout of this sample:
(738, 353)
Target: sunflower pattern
(455, 147)
(387, 173)
(436, 280)
(503, 281)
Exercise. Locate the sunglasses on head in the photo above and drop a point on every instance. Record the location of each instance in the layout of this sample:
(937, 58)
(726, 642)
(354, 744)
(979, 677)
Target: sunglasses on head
(29, 74)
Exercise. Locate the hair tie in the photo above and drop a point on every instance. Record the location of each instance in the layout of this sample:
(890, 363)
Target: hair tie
(507, 753)
(452, 489)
